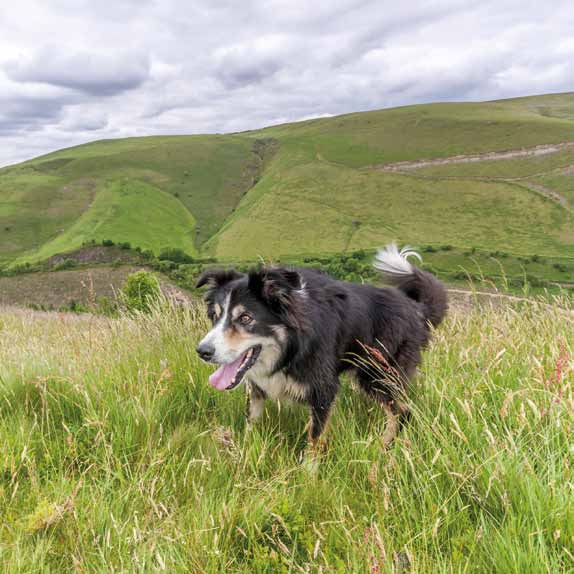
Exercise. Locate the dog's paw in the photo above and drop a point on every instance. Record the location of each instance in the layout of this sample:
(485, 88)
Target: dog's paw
(310, 462)
(312, 456)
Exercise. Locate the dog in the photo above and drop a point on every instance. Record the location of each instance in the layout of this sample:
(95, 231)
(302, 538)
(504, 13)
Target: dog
(291, 332)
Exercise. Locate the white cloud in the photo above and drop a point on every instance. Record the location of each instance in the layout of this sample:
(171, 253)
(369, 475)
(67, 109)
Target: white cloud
(76, 70)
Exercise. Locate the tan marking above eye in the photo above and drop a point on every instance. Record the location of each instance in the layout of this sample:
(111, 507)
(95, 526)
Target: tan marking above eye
(237, 311)
(217, 310)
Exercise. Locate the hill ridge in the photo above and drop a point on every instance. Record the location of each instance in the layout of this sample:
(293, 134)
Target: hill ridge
(327, 185)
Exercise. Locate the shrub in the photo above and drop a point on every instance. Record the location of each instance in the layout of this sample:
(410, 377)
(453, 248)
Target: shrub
(107, 243)
(75, 307)
(534, 281)
(165, 266)
(175, 254)
(21, 268)
(65, 264)
(106, 306)
(141, 291)
(460, 275)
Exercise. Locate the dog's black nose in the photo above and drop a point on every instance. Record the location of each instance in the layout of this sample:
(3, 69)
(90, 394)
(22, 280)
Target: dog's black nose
(206, 351)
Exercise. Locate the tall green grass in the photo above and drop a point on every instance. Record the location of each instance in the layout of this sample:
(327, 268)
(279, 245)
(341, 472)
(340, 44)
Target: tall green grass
(117, 456)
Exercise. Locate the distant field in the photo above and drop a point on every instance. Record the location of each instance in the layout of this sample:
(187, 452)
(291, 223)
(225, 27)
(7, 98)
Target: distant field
(117, 456)
(317, 186)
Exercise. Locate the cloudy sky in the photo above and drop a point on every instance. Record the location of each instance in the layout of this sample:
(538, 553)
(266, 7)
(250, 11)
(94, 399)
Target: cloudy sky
(73, 71)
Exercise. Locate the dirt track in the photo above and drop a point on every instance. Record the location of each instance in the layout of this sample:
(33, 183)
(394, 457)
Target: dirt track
(403, 166)
(474, 158)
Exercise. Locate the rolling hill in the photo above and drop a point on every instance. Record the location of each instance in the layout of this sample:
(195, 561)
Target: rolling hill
(494, 179)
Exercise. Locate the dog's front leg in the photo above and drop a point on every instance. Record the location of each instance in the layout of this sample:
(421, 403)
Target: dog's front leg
(321, 404)
(320, 413)
(319, 419)
(255, 403)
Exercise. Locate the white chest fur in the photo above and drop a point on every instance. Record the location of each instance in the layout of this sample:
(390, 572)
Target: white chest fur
(278, 386)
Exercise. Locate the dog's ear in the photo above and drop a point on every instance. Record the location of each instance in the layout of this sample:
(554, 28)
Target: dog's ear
(278, 288)
(216, 278)
(275, 286)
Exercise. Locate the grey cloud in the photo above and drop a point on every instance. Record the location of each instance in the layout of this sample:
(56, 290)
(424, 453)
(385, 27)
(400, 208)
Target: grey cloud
(82, 120)
(27, 114)
(252, 62)
(241, 74)
(93, 73)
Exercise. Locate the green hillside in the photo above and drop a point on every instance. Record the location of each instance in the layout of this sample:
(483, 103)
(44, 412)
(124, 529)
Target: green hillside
(314, 187)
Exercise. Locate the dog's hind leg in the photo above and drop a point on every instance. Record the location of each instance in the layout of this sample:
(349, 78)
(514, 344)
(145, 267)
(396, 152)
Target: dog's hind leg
(395, 410)
(392, 424)
(255, 402)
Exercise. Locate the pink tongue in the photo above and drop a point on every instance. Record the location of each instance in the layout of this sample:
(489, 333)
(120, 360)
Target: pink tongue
(222, 378)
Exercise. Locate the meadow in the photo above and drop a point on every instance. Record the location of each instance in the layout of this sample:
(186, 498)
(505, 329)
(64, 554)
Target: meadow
(117, 456)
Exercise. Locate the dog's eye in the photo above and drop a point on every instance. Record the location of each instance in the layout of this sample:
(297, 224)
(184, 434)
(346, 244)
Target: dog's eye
(245, 318)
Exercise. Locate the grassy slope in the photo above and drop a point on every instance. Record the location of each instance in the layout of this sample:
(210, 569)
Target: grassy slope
(321, 192)
(121, 209)
(167, 184)
(36, 207)
(561, 181)
(349, 209)
(117, 456)
(434, 130)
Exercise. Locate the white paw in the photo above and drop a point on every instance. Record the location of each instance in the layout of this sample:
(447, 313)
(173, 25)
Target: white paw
(310, 462)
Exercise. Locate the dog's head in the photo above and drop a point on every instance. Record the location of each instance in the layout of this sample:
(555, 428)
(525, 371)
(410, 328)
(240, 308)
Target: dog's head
(252, 316)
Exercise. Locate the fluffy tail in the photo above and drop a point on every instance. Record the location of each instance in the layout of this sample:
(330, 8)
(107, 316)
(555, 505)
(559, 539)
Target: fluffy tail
(414, 282)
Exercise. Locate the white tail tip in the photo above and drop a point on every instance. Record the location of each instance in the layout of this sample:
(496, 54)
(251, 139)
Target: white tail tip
(391, 261)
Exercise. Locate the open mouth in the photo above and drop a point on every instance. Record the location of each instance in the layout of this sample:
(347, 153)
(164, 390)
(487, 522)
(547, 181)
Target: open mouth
(228, 376)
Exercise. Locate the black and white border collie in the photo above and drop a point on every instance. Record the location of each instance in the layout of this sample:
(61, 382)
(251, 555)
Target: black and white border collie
(289, 333)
